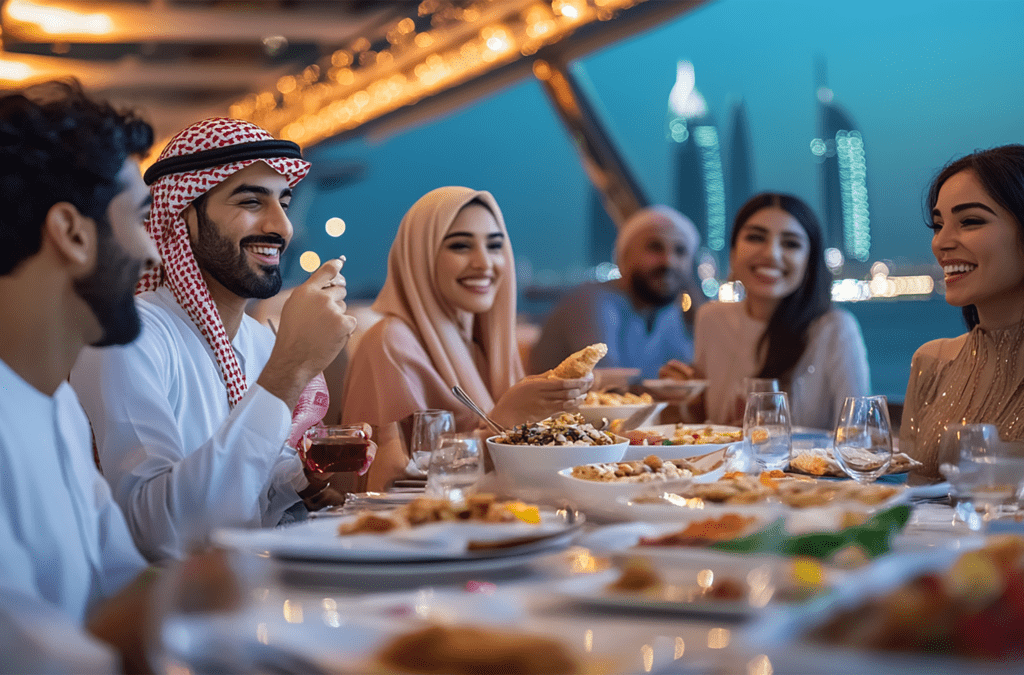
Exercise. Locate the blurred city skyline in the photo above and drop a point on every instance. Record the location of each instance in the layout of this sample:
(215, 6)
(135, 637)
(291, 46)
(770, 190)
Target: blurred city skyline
(924, 82)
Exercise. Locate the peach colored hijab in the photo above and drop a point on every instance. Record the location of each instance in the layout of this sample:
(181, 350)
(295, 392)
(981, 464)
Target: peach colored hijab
(444, 332)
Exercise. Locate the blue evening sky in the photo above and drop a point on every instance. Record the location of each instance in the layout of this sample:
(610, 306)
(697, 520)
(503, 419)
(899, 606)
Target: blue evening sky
(925, 80)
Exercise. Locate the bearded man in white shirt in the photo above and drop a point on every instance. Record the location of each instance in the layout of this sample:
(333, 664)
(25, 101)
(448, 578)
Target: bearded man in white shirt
(72, 245)
(194, 421)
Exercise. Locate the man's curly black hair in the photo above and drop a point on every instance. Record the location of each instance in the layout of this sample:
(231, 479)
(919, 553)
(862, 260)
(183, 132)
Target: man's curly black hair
(58, 145)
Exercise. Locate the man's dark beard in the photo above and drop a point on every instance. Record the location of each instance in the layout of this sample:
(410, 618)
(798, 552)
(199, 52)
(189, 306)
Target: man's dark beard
(650, 295)
(109, 289)
(228, 264)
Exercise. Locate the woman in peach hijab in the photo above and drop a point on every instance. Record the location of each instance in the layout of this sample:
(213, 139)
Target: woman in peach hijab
(449, 307)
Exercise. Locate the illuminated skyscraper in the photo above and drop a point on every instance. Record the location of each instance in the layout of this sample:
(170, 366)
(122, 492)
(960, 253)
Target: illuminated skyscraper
(739, 169)
(699, 179)
(839, 149)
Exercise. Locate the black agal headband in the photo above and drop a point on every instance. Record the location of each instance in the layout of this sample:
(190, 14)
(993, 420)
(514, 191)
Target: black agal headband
(205, 159)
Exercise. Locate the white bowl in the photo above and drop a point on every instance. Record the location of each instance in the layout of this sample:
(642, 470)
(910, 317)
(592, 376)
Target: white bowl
(675, 390)
(539, 464)
(611, 378)
(594, 413)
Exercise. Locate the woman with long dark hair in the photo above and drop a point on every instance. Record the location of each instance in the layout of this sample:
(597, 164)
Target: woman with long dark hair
(976, 212)
(785, 327)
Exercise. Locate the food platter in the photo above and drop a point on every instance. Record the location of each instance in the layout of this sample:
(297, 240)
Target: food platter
(318, 540)
(682, 450)
(715, 585)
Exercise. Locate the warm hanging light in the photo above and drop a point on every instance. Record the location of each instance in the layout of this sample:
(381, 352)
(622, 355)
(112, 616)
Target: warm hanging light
(358, 84)
(54, 20)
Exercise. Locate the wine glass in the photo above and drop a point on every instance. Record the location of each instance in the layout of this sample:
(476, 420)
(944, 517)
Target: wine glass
(455, 467)
(863, 437)
(427, 427)
(767, 429)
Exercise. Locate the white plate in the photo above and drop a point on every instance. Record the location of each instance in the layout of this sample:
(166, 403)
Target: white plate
(677, 451)
(594, 413)
(601, 499)
(780, 634)
(681, 591)
(429, 571)
(798, 520)
(319, 540)
(675, 390)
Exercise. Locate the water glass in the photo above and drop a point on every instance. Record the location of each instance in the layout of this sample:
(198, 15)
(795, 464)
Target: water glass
(863, 437)
(767, 429)
(753, 385)
(455, 467)
(985, 474)
(427, 428)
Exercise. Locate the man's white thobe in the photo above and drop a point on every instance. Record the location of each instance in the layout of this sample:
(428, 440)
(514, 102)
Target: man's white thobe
(64, 544)
(179, 460)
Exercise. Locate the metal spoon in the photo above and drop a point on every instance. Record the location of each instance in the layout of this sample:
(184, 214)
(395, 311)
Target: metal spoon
(469, 403)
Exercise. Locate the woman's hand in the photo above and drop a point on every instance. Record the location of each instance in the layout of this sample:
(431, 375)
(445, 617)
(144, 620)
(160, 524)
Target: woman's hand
(677, 370)
(537, 396)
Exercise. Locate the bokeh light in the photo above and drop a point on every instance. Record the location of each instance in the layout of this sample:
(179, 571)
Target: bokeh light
(309, 261)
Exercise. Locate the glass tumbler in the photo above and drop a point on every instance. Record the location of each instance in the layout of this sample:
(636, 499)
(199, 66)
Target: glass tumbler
(767, 429)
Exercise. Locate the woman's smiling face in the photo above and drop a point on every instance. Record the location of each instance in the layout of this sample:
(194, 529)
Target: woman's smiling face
(471, 263)
(770, 255)
(978, 244)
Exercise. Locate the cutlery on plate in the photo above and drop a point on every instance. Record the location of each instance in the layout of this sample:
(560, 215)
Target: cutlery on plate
(469, 403)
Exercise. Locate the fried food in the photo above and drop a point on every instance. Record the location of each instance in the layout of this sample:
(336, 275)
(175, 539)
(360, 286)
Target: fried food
(468, 650)
(581, 363)
(704, 532)
(612, 398)
(706, 435)
(423, 510)
(637, 576)
(651, 468)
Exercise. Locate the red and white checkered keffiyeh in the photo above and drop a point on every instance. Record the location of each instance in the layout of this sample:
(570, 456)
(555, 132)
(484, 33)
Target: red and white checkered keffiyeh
(171, 195)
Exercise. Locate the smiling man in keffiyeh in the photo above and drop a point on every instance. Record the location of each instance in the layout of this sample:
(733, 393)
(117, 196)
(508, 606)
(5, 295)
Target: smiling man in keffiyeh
(194, 421)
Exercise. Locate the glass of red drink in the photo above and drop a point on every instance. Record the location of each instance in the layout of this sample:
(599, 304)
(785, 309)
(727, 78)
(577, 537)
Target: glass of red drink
(337, 448)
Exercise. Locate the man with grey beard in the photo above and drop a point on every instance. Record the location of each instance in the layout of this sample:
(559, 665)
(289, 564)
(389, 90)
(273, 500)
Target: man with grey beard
(639, 316)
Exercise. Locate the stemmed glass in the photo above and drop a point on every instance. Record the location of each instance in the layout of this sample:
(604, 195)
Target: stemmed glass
(863, 437)
(767, 429)
(427, 428)
(455, 467)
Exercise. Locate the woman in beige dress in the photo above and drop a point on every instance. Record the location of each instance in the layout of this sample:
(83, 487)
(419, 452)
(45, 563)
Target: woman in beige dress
(449, 308)
(977, 210)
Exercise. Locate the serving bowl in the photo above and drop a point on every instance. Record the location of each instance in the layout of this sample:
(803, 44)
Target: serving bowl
(594, 413)
(539, 465)
(674, 390)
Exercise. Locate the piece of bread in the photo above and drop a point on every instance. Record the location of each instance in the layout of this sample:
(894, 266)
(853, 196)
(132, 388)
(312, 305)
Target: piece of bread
(581, 363)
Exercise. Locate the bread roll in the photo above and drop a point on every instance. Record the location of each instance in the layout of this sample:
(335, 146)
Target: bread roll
(581, 363)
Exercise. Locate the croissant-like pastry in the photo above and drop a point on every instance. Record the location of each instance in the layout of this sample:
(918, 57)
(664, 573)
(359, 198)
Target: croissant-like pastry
(582, 362)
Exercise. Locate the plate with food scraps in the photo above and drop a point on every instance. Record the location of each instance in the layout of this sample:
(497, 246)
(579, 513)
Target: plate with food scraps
(803, 501)
(423, 530)
(719, 585)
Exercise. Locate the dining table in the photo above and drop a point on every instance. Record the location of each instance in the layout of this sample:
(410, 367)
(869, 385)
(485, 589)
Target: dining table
(307, 611)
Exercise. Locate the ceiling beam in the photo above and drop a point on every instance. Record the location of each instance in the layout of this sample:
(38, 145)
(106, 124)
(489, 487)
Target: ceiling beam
(109, 22)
